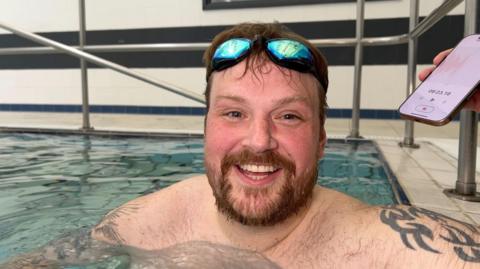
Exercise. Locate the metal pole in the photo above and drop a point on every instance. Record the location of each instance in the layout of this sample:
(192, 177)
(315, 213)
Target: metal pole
(421, 27)
(165, 47)
(357, 76)
(83, 67)
(104, 63)
(408, 139)
(465, 187)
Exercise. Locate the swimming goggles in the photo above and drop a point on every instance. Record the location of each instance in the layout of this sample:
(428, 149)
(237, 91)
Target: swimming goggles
(285, 52)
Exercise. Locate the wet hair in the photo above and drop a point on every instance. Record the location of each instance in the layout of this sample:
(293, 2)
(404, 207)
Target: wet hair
(268, 31)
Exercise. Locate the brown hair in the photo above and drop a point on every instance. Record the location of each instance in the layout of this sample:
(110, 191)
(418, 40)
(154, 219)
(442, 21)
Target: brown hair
(268, 31)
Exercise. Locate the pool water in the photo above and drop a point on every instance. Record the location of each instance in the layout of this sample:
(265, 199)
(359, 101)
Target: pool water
(53, 184)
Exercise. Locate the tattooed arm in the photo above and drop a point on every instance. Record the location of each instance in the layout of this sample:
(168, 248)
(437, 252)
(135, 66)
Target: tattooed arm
(71, 249)
(433, 236)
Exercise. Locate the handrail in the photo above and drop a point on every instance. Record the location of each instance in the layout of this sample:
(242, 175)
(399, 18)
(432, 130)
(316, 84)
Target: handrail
(408, 137)
(83, 67)
(465, 186)
(423, 26)
(102, 62)
(111, 48)
(366, 41)
(57, 47)
(327, 42)
(159, 47)
(357, 70)
(434, 16)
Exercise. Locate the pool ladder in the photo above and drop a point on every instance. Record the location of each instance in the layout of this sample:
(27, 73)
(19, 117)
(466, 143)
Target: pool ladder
(465, 185)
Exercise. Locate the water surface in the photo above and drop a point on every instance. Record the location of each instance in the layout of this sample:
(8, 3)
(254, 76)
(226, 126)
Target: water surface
(53, 184)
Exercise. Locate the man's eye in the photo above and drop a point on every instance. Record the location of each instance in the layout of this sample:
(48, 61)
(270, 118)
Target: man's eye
(290, 117)
(234, 114)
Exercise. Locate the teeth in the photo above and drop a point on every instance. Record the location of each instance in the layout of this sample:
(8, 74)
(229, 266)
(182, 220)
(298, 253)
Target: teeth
(257, 177)
(257, 168)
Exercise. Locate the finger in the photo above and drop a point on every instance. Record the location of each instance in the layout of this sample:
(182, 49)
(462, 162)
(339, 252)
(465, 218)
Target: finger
(424, 73)
(441, 56)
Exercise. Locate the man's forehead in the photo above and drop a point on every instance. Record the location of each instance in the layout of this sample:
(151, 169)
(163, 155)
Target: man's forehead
(266, 75)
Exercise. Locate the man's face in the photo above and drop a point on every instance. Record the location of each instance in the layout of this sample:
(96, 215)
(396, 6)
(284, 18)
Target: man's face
(262, 142)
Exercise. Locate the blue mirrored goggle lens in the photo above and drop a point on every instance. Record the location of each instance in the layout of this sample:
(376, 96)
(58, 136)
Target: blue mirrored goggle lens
(284, 52)
(232, 49)
(290, 50)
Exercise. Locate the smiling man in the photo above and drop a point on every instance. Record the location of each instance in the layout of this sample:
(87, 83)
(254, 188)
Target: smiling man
(264, 135)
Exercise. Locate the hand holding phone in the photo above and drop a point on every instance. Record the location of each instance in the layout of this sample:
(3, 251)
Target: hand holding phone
(473, 103)
(444, 92)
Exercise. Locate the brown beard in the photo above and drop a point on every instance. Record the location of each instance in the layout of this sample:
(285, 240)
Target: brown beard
(294, 194)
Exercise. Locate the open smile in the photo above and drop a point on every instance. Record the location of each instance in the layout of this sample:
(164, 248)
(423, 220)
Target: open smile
(257, 174)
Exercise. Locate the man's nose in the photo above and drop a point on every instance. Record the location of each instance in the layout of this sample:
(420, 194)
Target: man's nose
(260, 136)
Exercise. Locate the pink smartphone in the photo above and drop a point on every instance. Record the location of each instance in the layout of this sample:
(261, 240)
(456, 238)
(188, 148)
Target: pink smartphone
(442, 94)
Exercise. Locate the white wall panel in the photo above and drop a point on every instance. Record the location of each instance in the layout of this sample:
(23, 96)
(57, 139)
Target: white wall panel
(40, 87)
(40, 15)
(111, 88)
(383, 87)
(62, 15)
(111, 14)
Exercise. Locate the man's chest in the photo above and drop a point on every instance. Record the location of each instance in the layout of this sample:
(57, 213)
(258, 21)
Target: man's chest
(327, 250)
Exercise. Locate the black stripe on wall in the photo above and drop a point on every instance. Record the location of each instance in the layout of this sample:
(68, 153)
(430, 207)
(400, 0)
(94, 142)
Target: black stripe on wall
(430, 43)
(209, 4)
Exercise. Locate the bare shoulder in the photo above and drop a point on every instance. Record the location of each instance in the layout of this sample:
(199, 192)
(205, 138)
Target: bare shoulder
(426, 237)
(333, 200)
(334, 214)
(334, 210)
(395, 236)
(150, 215)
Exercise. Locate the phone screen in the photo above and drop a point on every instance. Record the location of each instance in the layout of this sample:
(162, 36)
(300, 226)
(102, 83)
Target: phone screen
(448, 85)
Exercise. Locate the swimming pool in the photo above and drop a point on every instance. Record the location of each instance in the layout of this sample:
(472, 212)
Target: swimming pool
(53, 184)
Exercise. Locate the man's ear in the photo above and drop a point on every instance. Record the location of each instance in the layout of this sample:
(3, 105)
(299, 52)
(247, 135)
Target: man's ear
(321, 145)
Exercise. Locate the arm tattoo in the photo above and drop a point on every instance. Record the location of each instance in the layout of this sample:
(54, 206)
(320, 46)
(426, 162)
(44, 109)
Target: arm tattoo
(109, 226)
(458, 233)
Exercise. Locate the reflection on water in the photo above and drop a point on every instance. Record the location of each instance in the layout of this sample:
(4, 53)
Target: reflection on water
(51, 185)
